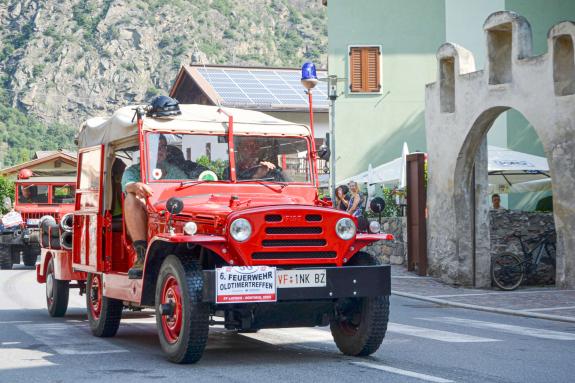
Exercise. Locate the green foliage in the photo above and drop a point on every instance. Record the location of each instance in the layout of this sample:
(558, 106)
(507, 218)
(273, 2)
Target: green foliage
(217, 166)
(25, 134)
(391, 208)
(6, 190)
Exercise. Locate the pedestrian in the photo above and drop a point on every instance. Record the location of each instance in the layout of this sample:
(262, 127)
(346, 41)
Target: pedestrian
(341, 197)
(496, 201)
(355, 206)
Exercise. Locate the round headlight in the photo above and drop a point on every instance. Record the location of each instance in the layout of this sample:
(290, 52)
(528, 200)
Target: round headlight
(345, 228)
(374, 227)
(190, 228)
(240, 229)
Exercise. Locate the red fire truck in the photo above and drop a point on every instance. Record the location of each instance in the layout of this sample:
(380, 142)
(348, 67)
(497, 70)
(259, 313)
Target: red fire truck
(35, 197)
(236, 233)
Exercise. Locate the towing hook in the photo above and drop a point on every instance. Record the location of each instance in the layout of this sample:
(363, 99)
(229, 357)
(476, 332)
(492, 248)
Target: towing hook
(167, 309)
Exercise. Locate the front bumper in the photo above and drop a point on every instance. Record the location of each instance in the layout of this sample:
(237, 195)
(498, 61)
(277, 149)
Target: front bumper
(341, 282)
(20, 237)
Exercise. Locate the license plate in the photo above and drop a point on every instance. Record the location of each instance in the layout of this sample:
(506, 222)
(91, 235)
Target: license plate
(32, 221)
(301, 278)
(246, 284)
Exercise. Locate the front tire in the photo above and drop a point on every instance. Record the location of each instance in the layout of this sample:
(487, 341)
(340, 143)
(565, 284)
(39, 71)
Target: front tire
(507, 271)
(360, 325)
(104, 314)
(183, 334)
(57, 293)
(5, 258)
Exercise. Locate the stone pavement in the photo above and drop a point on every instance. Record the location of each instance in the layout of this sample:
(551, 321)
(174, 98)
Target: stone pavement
(536, 302)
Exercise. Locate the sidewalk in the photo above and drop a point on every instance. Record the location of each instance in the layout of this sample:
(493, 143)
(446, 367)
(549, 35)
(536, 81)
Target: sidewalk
(535, 302)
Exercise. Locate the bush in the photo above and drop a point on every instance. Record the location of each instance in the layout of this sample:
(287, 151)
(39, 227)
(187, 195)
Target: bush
(6, 190)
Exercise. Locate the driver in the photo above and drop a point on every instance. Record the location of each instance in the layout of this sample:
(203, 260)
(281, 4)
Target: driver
(249, 165)
(136, 193)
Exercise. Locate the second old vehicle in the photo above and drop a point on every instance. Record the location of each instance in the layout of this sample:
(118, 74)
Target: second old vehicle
(234, 231)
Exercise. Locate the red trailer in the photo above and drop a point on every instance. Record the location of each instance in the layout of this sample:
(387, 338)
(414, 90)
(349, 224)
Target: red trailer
(227, 242)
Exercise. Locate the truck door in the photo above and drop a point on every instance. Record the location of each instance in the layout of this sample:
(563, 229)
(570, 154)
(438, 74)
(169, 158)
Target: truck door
(88, 217)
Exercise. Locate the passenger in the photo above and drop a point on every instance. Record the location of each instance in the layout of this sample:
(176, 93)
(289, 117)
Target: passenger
(248, 163)
(136, 193)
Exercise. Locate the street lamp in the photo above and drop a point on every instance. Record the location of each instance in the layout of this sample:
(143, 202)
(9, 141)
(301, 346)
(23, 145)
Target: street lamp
(332, 95)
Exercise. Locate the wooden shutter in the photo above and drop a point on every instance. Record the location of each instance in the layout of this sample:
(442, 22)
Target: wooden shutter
(364, 69)
(355, 76)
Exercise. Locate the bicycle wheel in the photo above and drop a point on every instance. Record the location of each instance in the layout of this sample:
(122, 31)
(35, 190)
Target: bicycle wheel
(507, 271)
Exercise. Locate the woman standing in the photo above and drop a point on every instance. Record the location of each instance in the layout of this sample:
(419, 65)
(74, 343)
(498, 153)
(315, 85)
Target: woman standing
(355, 206)
(341, 198)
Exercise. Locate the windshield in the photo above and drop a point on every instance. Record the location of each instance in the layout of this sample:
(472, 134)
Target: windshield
(31, 193)
(185, 157)
(63, 193)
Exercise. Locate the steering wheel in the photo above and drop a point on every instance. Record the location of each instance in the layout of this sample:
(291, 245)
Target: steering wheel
(271, 174)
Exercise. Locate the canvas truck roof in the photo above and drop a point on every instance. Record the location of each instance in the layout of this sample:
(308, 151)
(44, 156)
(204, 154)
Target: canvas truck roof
(194, 119)
(48, 180)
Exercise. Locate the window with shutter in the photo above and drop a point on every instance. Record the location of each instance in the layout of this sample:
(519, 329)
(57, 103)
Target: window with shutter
(364, 70)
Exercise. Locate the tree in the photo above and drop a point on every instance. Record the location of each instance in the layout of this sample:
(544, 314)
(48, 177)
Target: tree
(6, 190)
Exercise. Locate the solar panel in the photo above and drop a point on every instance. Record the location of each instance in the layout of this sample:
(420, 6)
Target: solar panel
(262, 87)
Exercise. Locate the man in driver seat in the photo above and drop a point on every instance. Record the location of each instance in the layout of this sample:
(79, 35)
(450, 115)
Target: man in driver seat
(249, 165)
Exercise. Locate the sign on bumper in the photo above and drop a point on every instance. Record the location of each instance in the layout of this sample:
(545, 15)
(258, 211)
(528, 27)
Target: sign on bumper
(246, 284)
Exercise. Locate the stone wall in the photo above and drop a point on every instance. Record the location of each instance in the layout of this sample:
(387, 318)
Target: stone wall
(391, 252)
(503, 223)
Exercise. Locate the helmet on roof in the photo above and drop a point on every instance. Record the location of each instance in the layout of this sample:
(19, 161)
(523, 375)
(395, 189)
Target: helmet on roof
(25, 174)
(163, 106)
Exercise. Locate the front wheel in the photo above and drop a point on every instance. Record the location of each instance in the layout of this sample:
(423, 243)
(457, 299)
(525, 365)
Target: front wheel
(182, 318)
(507, 271)
(57, 293)
(360, 324)
(104, 314)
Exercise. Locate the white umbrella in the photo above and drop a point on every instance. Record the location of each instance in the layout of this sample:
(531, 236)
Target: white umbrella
(370, 184)
(404, 153)
(509, 167)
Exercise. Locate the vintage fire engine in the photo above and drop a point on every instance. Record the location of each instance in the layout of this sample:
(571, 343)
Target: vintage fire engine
(35, 197)
(236, 233)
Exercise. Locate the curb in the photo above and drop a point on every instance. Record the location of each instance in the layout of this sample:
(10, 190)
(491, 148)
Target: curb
(485, 308)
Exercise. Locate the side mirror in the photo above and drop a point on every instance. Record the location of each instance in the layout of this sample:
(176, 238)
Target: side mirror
(7, 203)
(377, 205)
(174, 205)
(324, 152)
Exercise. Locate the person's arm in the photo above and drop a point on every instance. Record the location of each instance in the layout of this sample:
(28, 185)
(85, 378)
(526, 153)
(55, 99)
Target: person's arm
(131, 182)
(353, 206)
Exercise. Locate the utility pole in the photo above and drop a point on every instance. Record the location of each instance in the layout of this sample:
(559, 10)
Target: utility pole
(332, 94)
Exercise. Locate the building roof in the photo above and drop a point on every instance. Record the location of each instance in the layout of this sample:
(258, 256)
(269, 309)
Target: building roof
(35, 162)
(194, 118)
(258, 88)
(45, 153)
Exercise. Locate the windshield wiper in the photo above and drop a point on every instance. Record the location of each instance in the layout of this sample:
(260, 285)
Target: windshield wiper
(185, 184)
(265, 182)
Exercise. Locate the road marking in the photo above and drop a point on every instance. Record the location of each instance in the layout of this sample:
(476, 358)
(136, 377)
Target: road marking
(9, 343)
(15, 321)
(21, 358)
(511, 329)
(496, 293)
(551, 308)
(411, 374)
(68, 339)
(442, 336)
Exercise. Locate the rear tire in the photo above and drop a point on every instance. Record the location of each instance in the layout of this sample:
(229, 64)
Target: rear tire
(104, 314)
(57, 293)
(30, 255)
(361, 323)
(5, 258)
(184, 334)
(507, 271)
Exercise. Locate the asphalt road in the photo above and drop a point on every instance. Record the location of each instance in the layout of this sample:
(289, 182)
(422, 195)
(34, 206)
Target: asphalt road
(425, 343)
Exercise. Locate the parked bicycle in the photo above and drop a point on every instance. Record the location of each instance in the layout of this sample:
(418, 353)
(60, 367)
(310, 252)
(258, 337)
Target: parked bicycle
(509, 270)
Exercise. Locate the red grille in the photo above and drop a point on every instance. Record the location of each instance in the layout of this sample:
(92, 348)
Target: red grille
(293, 230)
(37, 215)
(293, 242)
(295, 255)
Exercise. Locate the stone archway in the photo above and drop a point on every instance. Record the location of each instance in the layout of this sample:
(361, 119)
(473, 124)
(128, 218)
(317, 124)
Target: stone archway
(460, 108)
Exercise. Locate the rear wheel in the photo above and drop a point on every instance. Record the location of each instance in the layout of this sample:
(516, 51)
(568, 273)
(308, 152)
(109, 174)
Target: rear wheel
(104, 314)
(5, 258)
(30, 255)
(57, 293)
(181, 317)
(360, 324)
(507, 271)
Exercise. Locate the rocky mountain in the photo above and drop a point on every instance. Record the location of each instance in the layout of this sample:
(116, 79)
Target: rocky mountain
(65, 60)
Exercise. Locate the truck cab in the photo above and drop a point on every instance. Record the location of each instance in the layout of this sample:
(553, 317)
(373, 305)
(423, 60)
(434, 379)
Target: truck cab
(235, 231)
(36, 197)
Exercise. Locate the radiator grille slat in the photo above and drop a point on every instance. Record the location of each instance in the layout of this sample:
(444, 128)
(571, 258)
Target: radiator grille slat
(293, 230)
(294, 255)
(293, 242)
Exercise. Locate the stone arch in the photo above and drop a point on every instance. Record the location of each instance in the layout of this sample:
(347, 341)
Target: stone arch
(456, 141)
